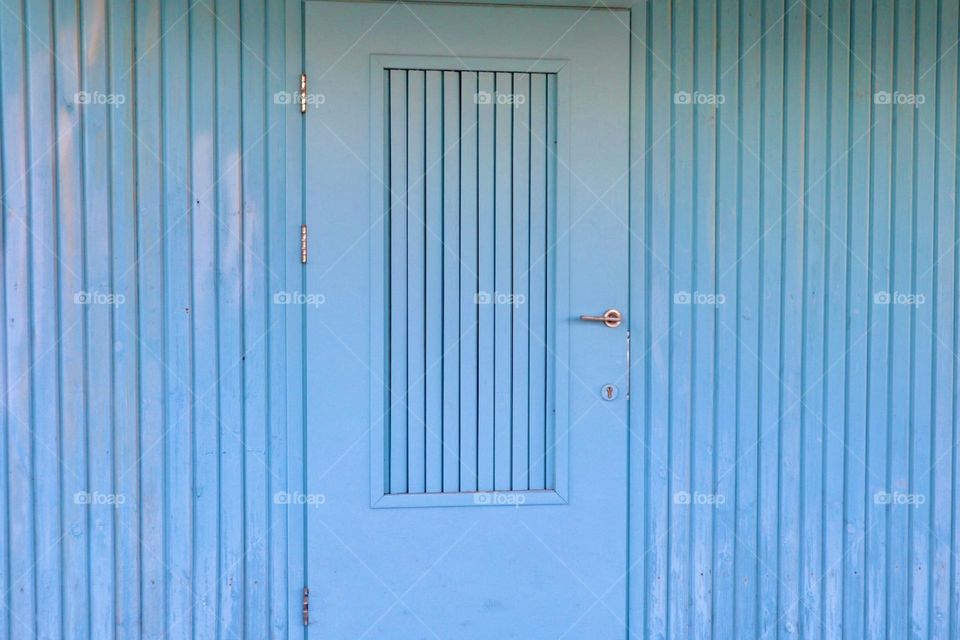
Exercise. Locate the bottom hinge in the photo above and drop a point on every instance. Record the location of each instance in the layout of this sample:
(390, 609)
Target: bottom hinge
(306, 606)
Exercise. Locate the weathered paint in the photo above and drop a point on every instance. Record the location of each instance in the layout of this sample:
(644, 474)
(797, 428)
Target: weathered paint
(143, 362)
(796, 400)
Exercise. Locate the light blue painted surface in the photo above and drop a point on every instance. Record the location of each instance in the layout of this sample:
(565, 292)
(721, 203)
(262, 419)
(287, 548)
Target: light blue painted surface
(482, 556)
(796, 400)
(142, 357)
(800, 199)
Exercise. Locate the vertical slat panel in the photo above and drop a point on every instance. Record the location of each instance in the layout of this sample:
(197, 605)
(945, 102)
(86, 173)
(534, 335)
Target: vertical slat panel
(660, 479)
(520, 285)
(433, 327)
(451, 281)
(857, 477)
(203, 180)
(728, 541)
(485, 260)
(176, 357)
(69, 248)
(126, 362)
(45, 346)
(230, 251)
(836, 296)
(879, 324)
(398, 281)
(416, 282)
(925, 301)
(922, 287)
(537, 266)
(943, 446)
(901, 371)
(707, 79)
(20, 589)
(791, 366)
(751, 229)
(771, 295)
(550, 294)
(469, 281)
(151, 316)
(681, 332)
(815, 216)
(256, 330)
(503, 250)
(99, 317)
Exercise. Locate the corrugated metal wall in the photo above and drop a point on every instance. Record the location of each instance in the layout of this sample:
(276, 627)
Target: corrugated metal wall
(145, 225)
(795, 274)
(794, 316)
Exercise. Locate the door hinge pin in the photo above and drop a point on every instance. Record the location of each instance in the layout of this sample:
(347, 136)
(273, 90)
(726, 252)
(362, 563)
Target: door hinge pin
(303, 244)
(306, 606)
(303, 93)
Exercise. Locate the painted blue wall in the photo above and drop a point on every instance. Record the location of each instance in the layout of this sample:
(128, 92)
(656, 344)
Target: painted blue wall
(804, 201)
(142, 242)
(143, 232)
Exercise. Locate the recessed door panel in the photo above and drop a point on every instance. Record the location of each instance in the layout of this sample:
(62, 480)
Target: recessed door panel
(469, 311)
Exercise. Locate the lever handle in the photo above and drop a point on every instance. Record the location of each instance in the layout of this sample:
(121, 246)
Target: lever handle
(611, 317)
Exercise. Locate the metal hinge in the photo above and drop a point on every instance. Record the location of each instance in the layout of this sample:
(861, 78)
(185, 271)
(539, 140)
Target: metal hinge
(303, 244)
(629, 368)
(303, 93)
(306, 606)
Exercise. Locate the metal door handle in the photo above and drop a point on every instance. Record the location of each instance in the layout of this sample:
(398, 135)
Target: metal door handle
(611, 317)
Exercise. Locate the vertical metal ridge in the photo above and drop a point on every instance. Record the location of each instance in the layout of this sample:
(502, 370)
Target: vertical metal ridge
(932, 619)
(781, 350)
(848, 592)
(405, 197)
(388, 285)
(423, 417)
(953, 609)
(873, 244)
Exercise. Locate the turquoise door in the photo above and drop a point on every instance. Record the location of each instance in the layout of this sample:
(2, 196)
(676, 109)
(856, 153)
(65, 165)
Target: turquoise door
(466, 429)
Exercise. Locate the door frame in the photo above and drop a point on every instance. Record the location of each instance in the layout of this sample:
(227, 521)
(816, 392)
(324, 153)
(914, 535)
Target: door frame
(295, 219)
